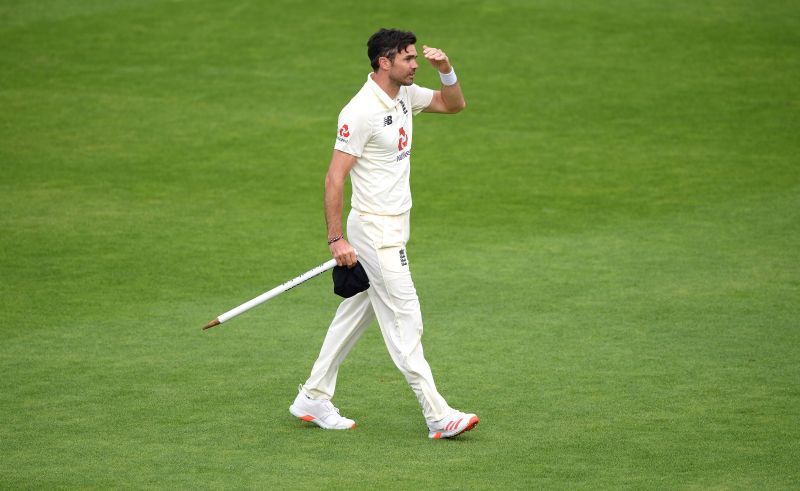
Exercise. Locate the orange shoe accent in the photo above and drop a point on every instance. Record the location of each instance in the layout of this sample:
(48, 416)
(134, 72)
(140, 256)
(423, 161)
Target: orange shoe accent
(307, 418)
(472, 423)
(437, 435)
(354, 425)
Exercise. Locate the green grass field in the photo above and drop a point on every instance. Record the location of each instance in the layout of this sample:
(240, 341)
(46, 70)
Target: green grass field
(606, 244)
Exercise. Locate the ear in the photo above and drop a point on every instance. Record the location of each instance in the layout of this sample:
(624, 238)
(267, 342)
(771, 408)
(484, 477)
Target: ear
(384, 63)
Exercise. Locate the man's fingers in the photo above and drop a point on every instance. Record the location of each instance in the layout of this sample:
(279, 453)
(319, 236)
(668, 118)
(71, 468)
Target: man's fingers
(348, 260)
(344, 254)
(434, 55)
(345, 259)
(431, 51)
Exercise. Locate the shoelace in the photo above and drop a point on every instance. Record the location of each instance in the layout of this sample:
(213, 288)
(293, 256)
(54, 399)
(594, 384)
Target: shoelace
(329, 406)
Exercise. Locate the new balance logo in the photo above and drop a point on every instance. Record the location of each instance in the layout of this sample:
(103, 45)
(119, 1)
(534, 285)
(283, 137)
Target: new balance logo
(403, 260)
(387, 121)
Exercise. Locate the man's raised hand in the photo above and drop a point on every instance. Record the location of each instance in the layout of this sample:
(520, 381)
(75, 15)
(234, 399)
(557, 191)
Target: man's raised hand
(437, 57)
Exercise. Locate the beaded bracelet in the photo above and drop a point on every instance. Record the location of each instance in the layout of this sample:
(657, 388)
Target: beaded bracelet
(338, 237)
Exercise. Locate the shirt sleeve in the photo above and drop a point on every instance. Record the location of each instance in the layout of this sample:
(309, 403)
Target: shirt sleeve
(353, 132)
(420, 98)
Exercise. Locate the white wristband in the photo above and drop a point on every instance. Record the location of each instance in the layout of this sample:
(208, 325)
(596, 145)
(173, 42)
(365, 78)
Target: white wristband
(449, 78)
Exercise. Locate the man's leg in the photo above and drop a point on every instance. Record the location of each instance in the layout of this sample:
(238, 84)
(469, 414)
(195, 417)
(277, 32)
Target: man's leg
(352, 318)
(380, 243)
(313, 401)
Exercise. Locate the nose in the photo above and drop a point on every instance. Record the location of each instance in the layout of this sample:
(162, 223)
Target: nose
(414, 64)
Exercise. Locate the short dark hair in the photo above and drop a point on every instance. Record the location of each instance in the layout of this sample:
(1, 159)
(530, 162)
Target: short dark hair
(388, 42)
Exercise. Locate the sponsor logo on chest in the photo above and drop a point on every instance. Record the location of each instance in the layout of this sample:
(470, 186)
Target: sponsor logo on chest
(402, 143)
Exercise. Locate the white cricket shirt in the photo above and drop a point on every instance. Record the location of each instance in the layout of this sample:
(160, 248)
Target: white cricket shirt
(377, 130)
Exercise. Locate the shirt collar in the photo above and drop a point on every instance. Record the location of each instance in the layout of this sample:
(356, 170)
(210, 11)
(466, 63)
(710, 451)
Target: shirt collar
(383, 96)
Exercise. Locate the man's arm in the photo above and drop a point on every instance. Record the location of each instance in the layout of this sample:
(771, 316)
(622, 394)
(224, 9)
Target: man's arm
(341, 250)
(450, 99)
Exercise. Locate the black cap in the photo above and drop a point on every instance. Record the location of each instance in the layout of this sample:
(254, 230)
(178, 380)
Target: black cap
(349, 281)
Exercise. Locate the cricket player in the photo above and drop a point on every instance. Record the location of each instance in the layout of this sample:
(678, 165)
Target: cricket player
(373, 146)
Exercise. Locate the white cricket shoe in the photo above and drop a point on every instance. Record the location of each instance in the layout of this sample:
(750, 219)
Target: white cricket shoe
(320, 412)
(454, 424)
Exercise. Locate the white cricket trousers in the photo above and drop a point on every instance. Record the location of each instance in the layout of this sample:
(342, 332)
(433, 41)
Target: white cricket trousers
(380, 242)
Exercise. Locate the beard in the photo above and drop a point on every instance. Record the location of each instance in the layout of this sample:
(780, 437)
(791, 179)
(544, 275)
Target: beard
(407, 80)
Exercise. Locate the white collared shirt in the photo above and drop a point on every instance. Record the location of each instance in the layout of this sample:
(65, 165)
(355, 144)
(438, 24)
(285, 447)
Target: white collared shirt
(377, 130)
